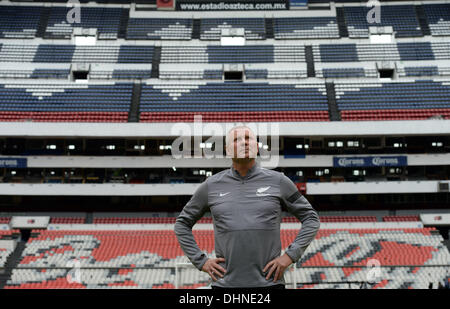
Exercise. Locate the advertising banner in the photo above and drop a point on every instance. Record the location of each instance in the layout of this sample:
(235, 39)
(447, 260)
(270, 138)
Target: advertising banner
(372, 161)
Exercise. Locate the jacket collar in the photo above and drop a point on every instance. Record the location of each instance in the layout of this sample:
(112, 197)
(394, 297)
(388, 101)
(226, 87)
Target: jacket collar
(250, 172)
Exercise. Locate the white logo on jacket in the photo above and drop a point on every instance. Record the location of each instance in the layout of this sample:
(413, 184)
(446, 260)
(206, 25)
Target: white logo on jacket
(260, 191)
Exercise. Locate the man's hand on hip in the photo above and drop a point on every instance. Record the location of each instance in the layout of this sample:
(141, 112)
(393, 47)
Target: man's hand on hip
(213, 268)
(278, 266)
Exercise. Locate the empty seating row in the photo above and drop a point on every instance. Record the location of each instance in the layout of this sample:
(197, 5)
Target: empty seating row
(391, 247)
(5, 220)
(345, 72)
(336, 219)
(438, 18)
(120, 74)
(124, 278)
(67, 220)
(248, 73)
(138, 220)
(211, 28)
(353, 52)
(286, 116)
(393, 95)
(402, 18)
(233, 97)
(419, 71)
(306, 28)
(348, 52)
(233, 54)
(305, 277)
(53, 53)
(424, 71)
(191, 74)
(159, 29)
(19, 21)
(105, 20)
(144, 220)
(400, 218)
(395, 114)
(64, 97)
(275, 73)
(74, 116)
(36, 73)
(5, 251)
(387, 277)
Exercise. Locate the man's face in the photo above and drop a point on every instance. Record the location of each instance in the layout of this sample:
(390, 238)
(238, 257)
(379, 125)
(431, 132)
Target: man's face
(242, 144)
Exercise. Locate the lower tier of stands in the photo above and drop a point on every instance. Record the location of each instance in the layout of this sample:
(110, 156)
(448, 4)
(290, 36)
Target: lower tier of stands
(408, 277)
(409, 258)
(209, 220)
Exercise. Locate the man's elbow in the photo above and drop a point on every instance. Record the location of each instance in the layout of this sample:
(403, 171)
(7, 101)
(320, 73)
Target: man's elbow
(313, 221)
(181, 226)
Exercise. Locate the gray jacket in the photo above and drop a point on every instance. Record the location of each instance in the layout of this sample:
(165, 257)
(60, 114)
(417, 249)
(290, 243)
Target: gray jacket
(246, 214)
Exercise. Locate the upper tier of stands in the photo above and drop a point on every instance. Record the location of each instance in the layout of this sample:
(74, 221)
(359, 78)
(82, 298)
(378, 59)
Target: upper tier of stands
(105, 20)
(402, 18)
(438, 16)
(159, 29)
(306, 28)
(19, 21)
(24, 22)
(211, 28)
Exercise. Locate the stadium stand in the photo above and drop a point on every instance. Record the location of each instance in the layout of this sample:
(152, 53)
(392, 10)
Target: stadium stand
(228, 101)
(354, 52)
(412, 100)
(19, 21)
(67, 220)
(146, 66)
(105, 20)
(233, 54)
(159, 29)
(400, 218)
(58, 102)
(301, 28)
(4, 220)
(120, 257)
(402, 18)
(438, 18)
(52, 53)
(211, 27)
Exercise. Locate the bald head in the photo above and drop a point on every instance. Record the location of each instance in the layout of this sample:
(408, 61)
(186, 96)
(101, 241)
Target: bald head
(241, 143)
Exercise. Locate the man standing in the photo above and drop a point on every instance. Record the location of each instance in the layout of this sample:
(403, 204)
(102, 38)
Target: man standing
(246, 203)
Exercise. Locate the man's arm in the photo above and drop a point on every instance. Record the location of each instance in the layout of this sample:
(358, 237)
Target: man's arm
(297, 205)
(192, 212)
